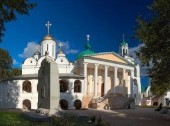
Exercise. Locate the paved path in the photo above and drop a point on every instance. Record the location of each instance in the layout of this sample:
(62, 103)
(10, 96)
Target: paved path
(129, 117)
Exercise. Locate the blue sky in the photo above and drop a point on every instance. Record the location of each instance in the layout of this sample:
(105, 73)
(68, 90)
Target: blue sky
(104, 20)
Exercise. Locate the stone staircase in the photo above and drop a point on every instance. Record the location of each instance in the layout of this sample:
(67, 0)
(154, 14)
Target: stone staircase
(114, 101)
(119, 101)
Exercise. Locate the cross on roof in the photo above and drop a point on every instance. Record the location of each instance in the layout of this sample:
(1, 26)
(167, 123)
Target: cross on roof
(60, 45)
(48, 25)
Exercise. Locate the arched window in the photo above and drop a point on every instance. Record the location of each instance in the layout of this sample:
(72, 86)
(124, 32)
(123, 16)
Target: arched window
(123, 52)
(63, 104)
(135, 72)
(77, 86)
(47, 47)
(63, 85)
(26, 86)
(77, 104)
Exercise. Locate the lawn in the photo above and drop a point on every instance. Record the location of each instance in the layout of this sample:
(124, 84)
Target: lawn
(8, 118)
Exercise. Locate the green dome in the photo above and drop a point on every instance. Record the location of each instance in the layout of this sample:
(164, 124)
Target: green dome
(84, 53)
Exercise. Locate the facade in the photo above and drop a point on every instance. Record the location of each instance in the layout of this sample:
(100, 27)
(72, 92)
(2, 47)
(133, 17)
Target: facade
(103, 78)
(150, 100)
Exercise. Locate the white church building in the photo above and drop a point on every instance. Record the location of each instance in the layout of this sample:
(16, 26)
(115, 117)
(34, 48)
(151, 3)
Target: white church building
(94, 80)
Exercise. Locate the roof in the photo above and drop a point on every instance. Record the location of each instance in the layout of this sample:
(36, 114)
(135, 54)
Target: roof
(37, 53)
(84, 53)
(123, 43)
(35, 76)
(48, 37)
(109, 57)
(87, 51)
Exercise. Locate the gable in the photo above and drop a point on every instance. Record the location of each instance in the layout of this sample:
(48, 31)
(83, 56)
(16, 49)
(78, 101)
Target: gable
(110, 57)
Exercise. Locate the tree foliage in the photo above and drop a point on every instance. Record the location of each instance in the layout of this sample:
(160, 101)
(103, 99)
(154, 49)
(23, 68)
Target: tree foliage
(154, 33)
(9, 9)
(6, 62)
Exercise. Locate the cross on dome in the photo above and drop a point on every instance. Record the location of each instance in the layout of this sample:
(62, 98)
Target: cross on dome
(60, 45)
(48, 25)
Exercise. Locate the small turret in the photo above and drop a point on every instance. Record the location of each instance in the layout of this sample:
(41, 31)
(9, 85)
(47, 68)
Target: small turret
(124, 49)
(37, 55)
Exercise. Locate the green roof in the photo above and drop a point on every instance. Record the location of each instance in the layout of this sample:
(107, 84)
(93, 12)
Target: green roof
(123, 43)
(86, 52)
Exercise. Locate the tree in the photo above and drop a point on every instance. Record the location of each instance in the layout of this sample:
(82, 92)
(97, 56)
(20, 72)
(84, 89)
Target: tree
(5, 64)
(154, 33)
(14, 72)
(9, 9)
(6, 69)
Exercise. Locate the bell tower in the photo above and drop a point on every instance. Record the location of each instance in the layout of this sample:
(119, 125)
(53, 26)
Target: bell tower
(48, 44)
(124, 49)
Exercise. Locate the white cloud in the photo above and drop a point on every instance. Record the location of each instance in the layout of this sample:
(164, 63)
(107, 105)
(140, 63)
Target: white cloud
(14, 62)
(29, 50)
(67, 49)
(132, 52)
(33, 46)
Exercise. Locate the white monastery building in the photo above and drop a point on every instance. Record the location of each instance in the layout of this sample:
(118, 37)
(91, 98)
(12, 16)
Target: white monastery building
(94, 80)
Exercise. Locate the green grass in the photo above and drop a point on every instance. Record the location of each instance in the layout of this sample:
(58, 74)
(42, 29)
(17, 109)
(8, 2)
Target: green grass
(11, 118)
(8, 118)
(15, 119)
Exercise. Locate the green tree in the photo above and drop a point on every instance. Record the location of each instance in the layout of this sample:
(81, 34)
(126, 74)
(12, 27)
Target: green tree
(14, 72)
(9, 9)
(154, 33)
(5, 64)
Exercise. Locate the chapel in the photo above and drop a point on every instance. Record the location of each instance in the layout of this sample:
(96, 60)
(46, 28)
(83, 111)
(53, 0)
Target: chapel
(94, 80)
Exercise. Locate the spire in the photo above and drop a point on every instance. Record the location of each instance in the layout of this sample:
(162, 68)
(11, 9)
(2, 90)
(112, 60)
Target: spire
(123, 40)
(87, 46)
(48, 25)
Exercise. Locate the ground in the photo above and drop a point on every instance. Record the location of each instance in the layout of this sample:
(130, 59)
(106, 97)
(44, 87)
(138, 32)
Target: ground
(131, 117)
(117, 117)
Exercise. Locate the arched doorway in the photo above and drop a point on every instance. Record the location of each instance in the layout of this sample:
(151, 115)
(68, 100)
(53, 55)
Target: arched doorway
(26, 104)
(155, 104)
(102, 89)
(63, 104)
(77, 104)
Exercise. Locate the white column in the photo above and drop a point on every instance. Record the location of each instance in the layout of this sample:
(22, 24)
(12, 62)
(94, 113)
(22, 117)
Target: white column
(71, 85)
(95, 79)
(123, 77)
(105, 79)
(115, 79)
(131, 82)
(85, 78)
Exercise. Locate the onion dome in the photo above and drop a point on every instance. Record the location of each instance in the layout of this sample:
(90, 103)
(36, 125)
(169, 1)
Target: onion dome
(87, 50)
